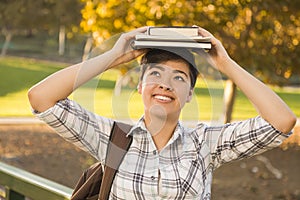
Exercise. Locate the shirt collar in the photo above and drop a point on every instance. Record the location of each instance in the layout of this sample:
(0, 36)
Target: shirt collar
(141, 127)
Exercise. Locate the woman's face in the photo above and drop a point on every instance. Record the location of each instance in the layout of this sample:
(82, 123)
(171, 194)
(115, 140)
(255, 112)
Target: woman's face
(165, 88)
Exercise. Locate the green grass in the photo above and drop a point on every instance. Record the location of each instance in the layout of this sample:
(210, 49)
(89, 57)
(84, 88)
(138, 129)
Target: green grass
(17, 75)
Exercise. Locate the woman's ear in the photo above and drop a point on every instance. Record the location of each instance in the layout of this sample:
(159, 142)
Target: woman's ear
(139, 87)
(190, 95)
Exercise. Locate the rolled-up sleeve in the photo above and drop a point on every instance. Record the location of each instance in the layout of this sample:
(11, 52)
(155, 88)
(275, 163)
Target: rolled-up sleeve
(242, 139)
(85, 129)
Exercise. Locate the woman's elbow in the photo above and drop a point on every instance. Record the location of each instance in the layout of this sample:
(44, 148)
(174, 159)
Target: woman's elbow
(37, 100)
(33, 98)
(289, 123)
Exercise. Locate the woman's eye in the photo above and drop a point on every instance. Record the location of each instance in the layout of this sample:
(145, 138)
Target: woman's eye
(179, 78)
(155, 73)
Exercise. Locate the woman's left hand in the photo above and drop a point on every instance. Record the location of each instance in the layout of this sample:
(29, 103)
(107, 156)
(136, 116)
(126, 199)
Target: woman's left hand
(217, 54)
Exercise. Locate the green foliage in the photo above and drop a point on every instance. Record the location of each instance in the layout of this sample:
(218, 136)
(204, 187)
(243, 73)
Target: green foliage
(262, 35)
(28, 15)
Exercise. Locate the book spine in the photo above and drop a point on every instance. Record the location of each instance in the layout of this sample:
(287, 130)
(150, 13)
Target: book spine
(148, 30)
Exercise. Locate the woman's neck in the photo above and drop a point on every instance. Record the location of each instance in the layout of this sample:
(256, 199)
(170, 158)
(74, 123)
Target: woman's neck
(161, 129)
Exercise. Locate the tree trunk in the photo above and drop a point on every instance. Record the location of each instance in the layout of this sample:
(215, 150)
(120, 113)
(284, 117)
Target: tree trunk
(228, 100)
(87, 48)
(8, 36)
(61, 40)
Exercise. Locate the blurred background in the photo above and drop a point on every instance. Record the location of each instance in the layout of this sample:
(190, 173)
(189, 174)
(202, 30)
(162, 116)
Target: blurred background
(39, 37)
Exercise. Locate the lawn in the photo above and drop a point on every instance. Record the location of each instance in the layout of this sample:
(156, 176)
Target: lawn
(19, 74)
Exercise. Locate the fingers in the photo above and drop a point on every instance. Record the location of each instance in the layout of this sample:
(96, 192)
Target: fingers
(132, 34)
(204, 32)
(214, 41)
(122, 48)
(142, 29)
(127, 57)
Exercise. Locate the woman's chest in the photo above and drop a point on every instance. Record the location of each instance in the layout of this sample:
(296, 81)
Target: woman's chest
(177, 172)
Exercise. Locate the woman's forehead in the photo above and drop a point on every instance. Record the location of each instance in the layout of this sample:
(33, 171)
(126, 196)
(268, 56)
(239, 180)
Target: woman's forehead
(170, 66)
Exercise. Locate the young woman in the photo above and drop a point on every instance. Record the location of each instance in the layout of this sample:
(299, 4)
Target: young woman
(165, 160)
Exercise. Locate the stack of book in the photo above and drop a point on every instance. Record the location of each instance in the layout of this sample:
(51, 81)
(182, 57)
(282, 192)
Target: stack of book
(160, 37)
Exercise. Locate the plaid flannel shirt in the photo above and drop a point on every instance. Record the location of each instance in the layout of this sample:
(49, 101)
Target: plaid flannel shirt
(182, 169)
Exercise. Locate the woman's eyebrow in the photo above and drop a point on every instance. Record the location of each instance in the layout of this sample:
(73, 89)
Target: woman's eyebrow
(181, 72)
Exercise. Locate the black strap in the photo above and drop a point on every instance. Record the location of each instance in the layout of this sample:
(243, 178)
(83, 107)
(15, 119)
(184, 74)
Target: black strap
(116, 151)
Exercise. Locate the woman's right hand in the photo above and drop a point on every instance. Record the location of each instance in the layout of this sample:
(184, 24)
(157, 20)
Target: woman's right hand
(61, 84)
(122, 49)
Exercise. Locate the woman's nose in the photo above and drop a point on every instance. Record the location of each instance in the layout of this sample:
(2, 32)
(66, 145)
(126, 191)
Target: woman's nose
(165, 87)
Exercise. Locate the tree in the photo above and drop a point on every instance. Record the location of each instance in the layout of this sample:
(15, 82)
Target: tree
(65, 15)
(19, 15)
(25, 15)
(8, 9)
(264, 42)
(254, 33)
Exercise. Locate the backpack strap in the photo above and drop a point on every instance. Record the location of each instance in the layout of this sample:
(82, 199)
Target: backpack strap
(116, 150)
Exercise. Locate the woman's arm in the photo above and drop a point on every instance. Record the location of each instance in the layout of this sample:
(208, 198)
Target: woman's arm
(269, 105)
(61, 84)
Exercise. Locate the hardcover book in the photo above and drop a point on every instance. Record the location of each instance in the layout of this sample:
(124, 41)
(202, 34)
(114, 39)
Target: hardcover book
(185, 37)
(173, 30)
(156, 44)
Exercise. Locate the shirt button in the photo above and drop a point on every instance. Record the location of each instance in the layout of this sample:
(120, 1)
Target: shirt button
(154, 152)
(152, 178)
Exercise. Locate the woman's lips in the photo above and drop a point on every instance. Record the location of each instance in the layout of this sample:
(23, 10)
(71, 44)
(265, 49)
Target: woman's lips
(163, 98)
